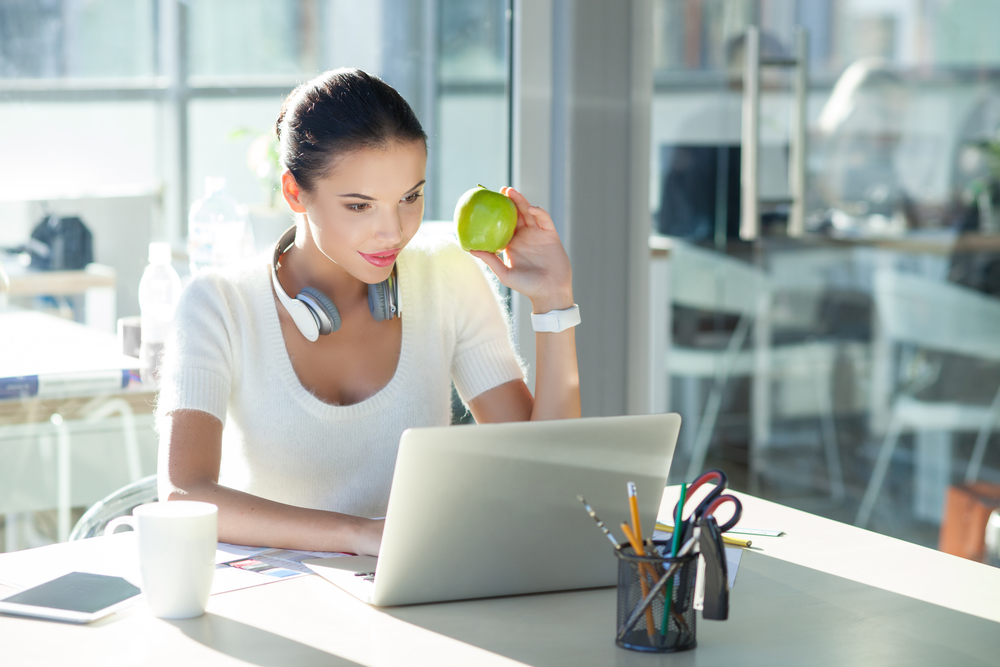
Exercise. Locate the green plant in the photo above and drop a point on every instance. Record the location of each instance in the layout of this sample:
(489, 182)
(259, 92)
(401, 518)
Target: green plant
(262, 159)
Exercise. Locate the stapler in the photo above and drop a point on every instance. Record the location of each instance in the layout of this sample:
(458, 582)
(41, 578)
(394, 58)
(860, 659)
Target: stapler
(716, 604)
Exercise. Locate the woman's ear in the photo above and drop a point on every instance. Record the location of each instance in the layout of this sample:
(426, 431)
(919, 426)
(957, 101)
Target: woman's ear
(291, 192)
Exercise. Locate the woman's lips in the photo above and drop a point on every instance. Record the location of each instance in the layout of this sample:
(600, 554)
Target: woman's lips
(381, 259)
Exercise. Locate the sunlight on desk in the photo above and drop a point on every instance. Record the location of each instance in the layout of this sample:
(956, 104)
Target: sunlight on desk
(837, 594)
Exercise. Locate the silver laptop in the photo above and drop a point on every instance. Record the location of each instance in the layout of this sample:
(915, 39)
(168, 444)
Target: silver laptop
(489, 510)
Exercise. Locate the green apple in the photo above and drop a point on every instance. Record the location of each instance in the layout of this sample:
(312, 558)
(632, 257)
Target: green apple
(484, 220)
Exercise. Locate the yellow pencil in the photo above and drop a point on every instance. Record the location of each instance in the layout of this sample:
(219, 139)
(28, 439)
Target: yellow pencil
(732, 541)
(633, 507)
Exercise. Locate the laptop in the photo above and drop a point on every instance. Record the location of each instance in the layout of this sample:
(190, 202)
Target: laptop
(491, 510)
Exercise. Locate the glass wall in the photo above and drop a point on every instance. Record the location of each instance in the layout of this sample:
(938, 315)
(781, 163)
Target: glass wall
(115, 112)
(847, 363)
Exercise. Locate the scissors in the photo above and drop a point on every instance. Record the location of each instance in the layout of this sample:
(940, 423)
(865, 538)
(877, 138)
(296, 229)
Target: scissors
(707, 507)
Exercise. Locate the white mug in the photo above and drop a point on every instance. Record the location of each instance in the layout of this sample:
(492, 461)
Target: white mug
(177, 543)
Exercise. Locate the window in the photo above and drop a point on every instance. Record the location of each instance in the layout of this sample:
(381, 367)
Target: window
(117, 111)
(108, 97)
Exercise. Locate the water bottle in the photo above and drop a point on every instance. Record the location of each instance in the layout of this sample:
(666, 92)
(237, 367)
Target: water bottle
(218, 233)
(159, 290)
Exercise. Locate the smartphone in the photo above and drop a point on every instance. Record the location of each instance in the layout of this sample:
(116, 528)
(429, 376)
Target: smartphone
(78, 597)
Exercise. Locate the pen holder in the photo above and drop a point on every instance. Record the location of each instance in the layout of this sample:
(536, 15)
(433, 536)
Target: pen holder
(661, 627)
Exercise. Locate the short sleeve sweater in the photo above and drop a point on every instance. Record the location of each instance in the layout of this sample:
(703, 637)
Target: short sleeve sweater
(227, 357)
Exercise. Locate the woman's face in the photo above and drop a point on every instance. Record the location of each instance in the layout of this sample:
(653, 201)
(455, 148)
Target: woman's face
(368, 208)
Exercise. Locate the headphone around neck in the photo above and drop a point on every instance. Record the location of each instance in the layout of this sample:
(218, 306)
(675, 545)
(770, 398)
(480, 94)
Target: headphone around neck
(314, 313)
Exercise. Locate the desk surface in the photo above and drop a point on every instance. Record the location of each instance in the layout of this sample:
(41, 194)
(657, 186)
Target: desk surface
(41, 344)
(823, 594)
(21, 282)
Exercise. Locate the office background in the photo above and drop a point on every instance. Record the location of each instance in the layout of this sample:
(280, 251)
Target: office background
(624, 119)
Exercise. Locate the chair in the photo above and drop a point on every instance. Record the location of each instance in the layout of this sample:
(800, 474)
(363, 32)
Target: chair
(710, 281)
(942, 317)
(117, 504)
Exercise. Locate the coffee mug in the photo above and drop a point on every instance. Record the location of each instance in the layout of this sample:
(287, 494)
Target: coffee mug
(177, 543)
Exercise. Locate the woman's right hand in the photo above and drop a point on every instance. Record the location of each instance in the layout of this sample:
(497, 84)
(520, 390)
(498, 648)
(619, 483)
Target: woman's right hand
(537, 264)
(369, 538)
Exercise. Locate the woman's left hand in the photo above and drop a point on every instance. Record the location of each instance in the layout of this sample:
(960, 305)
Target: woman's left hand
(536, 265)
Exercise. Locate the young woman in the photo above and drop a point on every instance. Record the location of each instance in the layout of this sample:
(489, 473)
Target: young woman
(295, 439)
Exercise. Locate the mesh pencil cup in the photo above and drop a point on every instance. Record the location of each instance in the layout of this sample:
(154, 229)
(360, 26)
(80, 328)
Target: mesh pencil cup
(660, 627)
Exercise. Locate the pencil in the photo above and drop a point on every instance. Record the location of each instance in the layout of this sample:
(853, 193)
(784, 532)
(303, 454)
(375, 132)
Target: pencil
(600, 524)
(732, 541)
(637, 545)
(633, 508)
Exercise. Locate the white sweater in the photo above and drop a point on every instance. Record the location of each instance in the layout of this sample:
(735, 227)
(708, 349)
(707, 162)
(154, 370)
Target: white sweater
(227, 357)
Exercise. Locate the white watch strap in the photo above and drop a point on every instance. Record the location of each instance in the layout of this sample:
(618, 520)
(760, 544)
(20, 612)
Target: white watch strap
(555, 321)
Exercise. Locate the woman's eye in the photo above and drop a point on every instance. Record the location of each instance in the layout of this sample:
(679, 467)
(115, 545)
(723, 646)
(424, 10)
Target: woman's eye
(357, 207)
(409, 199)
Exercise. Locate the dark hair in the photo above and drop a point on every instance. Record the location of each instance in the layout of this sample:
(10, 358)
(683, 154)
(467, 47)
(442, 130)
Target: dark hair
(338, 112)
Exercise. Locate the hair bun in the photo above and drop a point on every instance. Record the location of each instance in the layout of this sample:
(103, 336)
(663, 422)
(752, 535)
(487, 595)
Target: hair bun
(337, 112)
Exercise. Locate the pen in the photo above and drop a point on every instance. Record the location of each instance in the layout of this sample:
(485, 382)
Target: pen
(673, 554)
(757, 531)
(732, 541)
(678, 519)
(637, 545)
(600, 524)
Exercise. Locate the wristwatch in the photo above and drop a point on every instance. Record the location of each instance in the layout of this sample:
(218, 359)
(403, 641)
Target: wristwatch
(555, 321)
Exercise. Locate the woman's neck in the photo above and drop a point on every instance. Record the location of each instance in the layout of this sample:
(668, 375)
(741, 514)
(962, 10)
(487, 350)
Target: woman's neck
(305, 265)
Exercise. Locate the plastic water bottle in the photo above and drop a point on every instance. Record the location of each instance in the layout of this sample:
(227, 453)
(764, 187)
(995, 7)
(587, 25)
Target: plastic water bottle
(218, 233)
(159, 291)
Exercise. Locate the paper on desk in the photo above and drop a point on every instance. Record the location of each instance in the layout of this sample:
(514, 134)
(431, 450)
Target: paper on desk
(242, 567)
(117, 556)
(733, 555)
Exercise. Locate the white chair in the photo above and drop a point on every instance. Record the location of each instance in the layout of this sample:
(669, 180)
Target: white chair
(116, 504)
(60, 457)
(95, 410)
(943, 317)
(710, 281)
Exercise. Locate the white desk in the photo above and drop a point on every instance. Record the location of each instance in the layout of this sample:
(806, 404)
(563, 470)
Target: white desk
(824, 594)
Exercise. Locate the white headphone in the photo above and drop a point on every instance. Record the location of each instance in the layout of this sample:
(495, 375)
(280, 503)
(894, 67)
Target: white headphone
(314, 313)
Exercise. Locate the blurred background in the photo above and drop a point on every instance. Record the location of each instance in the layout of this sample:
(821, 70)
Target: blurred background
(823, 212)
(846, 354)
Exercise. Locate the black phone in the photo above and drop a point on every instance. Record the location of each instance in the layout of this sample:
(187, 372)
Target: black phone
(78, 597)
